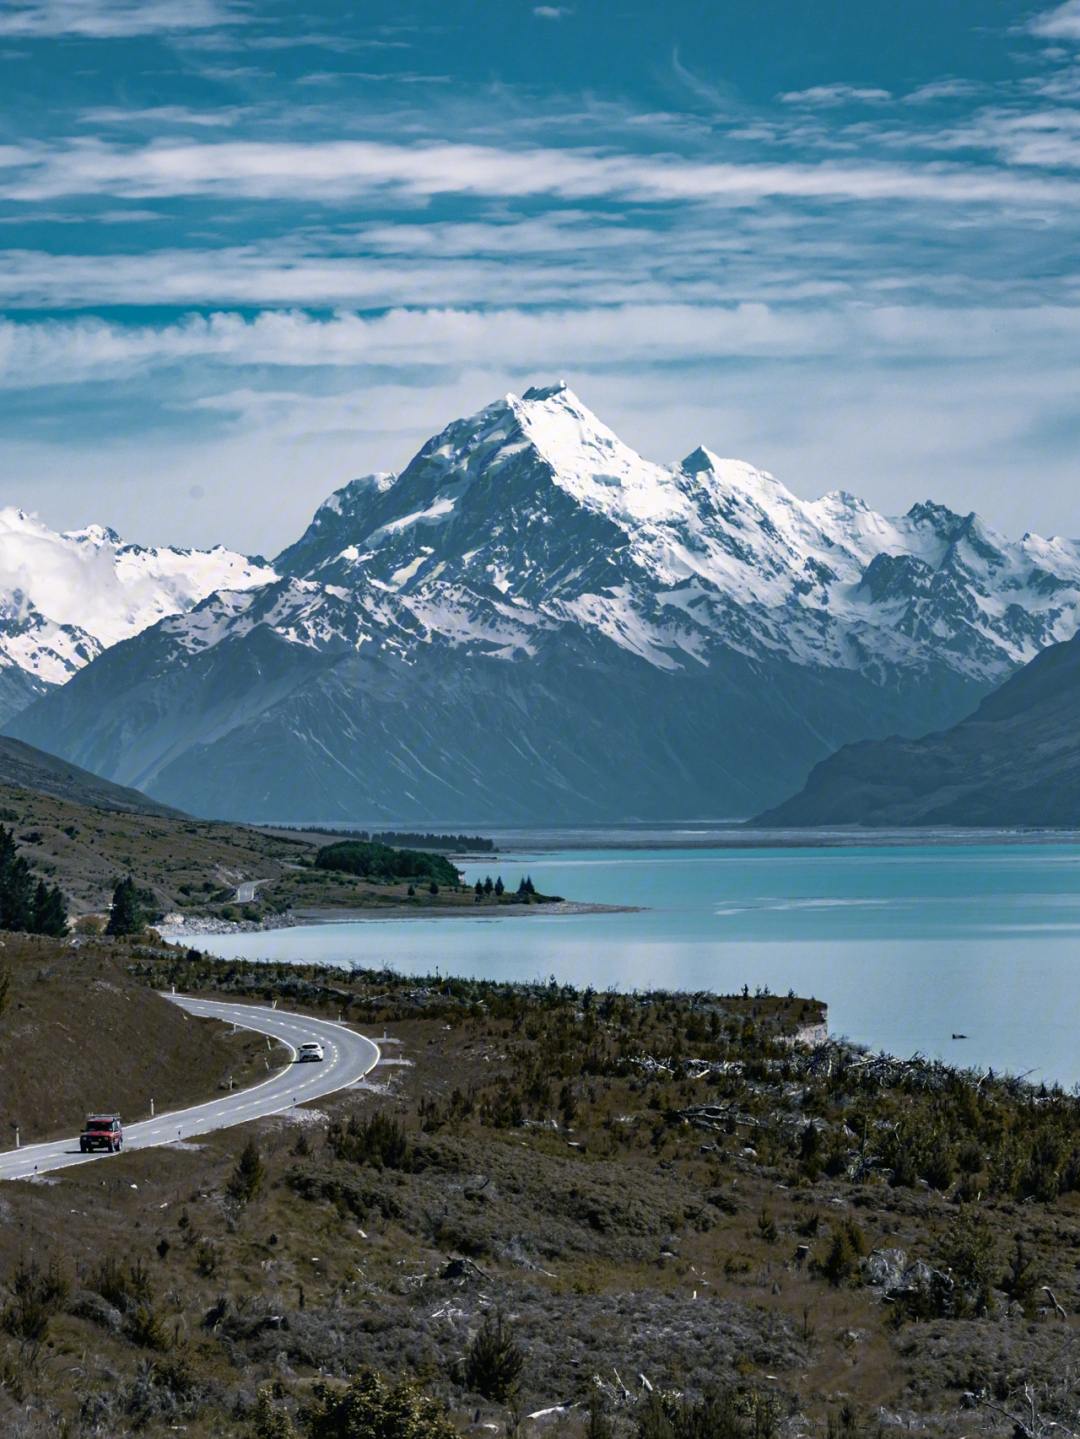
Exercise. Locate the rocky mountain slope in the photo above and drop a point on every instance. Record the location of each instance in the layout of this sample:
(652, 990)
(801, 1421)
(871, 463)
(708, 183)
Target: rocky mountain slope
(32, 769)
(1015, 761)
(533, 623)
(65, 598)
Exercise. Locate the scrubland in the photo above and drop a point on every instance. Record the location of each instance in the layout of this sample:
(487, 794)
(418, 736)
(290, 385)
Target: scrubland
(655, 1215)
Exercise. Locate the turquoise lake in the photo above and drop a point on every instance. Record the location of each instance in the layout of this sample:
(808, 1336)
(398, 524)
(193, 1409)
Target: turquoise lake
(907, 945)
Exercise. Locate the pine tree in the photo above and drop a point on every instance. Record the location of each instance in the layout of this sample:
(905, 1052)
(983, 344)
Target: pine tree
(16, 887)
(24, 907)
(488, 885)
(248, 1175)
(50, 911)
(479, 888)
(499, 886)
(126, 916)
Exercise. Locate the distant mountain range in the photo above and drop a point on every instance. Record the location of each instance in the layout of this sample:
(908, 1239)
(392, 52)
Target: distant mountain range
(1015, 761)
(65, 598)
(531, 623)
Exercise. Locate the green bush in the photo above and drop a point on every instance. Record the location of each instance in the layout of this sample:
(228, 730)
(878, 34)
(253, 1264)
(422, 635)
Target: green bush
(846, 1248)
(494, 1363)
(971, 1253)
(36, 1295)
(722, 1414)
(379, 1141)
(268, 1422)
(372, 1408)
(145, 1329)
(123, 1288)
(246, 1179)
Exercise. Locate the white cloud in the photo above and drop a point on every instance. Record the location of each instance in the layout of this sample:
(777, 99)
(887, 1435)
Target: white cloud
(343, 170)
(108, 19)
(163, 115)
(946, 89)
(552, 12)
(1041, 139)
(35, 354)
(1062, 23)
(831, 95)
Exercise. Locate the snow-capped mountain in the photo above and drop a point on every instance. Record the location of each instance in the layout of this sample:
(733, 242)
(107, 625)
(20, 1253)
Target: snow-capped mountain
(533, 621)
(65, 598)
(534, 515)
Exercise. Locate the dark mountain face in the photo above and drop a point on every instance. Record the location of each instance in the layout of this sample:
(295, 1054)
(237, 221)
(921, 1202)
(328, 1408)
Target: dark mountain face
(1015, 761)
(533, 623)
(33, 769)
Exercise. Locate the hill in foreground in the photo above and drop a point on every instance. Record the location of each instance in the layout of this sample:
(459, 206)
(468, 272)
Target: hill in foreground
(630, 1195)
(78, 1034)
(1015, 761)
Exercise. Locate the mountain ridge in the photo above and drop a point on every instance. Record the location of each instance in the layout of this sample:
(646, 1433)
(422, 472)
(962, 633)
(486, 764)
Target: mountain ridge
(66, 598)
(33, 769)
(1014, 761)
(531, 622)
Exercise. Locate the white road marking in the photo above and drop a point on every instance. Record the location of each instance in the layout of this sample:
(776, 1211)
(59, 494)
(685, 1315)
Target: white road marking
(352, 1056)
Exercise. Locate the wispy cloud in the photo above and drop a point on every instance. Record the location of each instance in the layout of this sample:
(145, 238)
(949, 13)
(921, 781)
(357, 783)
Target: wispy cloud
(343, 170)
(818, 96)
(35, 353)
(552, 12)
(949, 88)
(183, 115)
(1063, 23)
(108, 19)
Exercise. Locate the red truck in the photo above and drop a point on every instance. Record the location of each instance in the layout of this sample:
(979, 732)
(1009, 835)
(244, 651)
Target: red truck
(102, 1131)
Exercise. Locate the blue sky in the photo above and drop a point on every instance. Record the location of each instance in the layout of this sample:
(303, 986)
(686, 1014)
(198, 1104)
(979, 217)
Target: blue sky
(252, 249)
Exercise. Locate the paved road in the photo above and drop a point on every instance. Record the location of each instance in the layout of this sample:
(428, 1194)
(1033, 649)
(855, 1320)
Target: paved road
(349, 1056)
(245, 893)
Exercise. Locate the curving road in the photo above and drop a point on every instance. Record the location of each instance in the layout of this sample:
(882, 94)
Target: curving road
(349, 1056)
(245, 893)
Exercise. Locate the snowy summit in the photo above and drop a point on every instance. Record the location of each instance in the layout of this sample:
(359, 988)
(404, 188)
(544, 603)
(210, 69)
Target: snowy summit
(556, 624)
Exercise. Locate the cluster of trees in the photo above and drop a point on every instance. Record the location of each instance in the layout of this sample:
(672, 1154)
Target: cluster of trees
(413, 839)
(26, 905)
(126, 916)
(485, 886)
(455, 843)
(378, 861)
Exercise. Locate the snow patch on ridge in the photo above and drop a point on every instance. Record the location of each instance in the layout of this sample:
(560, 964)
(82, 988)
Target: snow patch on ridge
(66, 597)
(531, 522)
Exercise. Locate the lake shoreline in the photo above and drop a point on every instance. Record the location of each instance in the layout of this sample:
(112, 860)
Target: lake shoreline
(195, 927)
(734, 837)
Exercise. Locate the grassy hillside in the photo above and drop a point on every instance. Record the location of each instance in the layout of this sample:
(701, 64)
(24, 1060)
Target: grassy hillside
(188, 866)
(78, 1034)
(629, 1181)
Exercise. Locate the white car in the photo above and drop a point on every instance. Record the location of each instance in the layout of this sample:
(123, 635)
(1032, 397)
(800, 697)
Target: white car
(312, 1050)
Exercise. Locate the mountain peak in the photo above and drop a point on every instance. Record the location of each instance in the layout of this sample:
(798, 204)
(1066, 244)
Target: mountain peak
(548, 392)
(698, 461)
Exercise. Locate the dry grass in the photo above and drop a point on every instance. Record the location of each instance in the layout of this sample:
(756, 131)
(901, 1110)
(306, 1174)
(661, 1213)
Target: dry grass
(615, 1244)
(79, 1034)
(191, 866)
